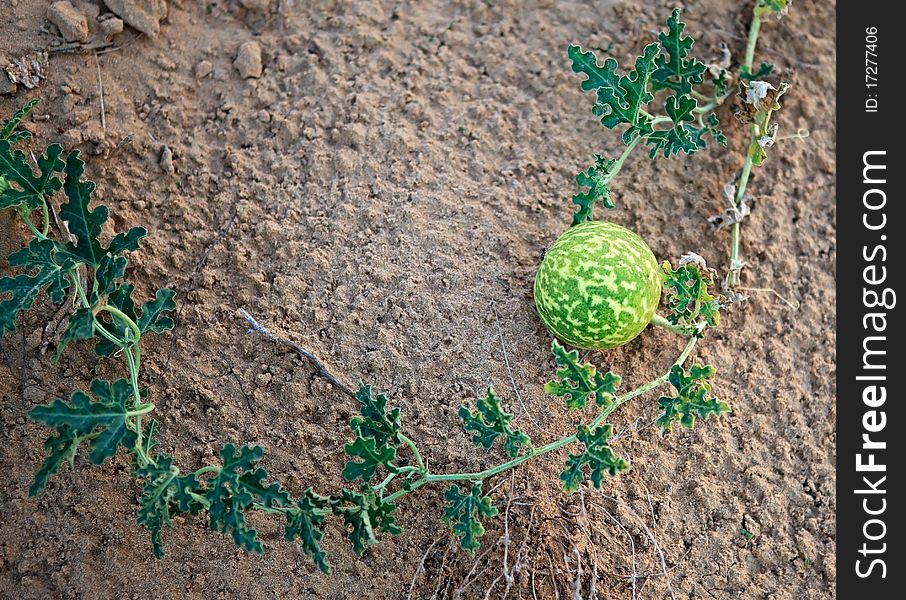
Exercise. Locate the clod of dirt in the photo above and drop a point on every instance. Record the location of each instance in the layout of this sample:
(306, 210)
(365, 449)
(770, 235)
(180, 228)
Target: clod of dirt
(166, 161)
(261, 5)
(73, 25)
(248, 60)
(111, 27)
(203, 69)
(143, 15)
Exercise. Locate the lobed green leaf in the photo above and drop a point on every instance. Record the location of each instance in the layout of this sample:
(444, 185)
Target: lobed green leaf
(490, 422)
(46, 269)
(598, 457)
(688, 299)
(676, 69)
(305, 523)
(102, 419)
(31, 190)
(576, 381)
(464, 512)
(691, 399)
(597, 180)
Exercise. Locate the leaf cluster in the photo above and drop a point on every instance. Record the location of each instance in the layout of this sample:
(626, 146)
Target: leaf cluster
(691, 399)
(597, 457)
(578, 382)
(630, 102)
(688, 299)
(489, 422)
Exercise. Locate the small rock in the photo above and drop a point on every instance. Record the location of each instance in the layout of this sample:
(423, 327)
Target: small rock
(72, 138)
(72, 24)
(6, 86)
(112, 26)
(89, 9)
(203, 69)
(264, 116)
(143, 15)
(248, 60)
(256, 4)
(166, 160)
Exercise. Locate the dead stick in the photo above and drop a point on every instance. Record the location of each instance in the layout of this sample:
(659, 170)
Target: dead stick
(255, 327)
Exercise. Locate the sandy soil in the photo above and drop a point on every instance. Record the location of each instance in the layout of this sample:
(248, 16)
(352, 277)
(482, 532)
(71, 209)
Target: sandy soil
(382, 195)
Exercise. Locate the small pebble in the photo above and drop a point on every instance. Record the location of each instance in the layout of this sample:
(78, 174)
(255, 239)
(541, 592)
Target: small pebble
(72, 24)
(248, 60)
(112, 26)
(203, 69)
(166, 161)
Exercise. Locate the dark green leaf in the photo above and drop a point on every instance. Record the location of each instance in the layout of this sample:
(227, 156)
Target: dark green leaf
(370, 455)
(32, 189)
(104, 419)
(363, 512)
(680, 138)
(691, 399)
(10, 125)
(154, 317)
(763, 70)
(270, 494)
(577, 381)
(375, 421)
(23, 289)
(489, 422)
(85, 224)
(229, 498)
(463, 512)
(688, 299)
(63, 447)
(596, 179)
(598, 456)
(625, 102)
(157, 498)
(305, 523)
(587, 63)
(107, 274)
(676, 69)
(127, 242)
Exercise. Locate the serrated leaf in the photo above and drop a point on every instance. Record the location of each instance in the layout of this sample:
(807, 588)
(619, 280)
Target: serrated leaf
(157, 498)
(676, 69)
(576, 381)
(63, 447)
(10, 125)
(463, 513)
(625, 102)
(596, 179)
(50, 272)
(363, 512)
(490, 422)
(370, 455)
(85, 224)
(374, 420)
(31, 189)
(229, 498)
(79, 327)
(127, 242)
(587, 63)
(687, 296)
(598, 457)
(154, 317)
(691, 399)
(305, 523)
(763, 70)
(271, 495)
(107, 275)
(103, 419)
(680, 138)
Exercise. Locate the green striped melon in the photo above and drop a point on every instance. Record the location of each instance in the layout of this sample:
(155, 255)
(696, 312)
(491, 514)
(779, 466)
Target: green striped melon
(598, 286)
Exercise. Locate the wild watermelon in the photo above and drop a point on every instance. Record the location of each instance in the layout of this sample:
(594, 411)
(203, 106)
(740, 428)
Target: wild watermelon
(598, 286)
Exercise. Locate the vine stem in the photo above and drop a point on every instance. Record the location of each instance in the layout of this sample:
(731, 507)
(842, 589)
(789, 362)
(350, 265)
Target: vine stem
(535, 452)
(660, 321)
(618, 163)
(733, 278)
